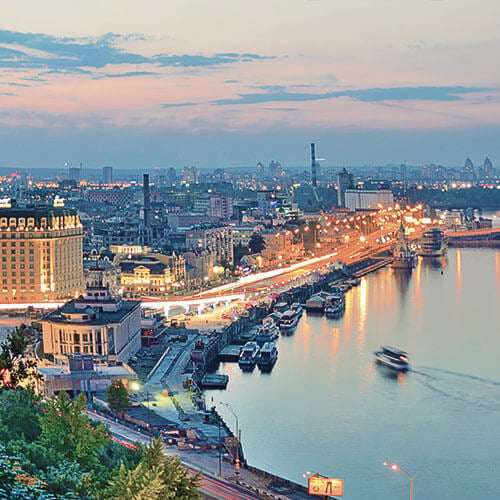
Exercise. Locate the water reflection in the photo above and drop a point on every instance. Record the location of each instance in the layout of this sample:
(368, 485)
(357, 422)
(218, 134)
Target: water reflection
(497, 269)
(402, 279)
(459, 274)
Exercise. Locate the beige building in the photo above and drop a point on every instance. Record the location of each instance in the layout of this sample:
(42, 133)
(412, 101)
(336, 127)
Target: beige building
(41, 253)
(95, 324)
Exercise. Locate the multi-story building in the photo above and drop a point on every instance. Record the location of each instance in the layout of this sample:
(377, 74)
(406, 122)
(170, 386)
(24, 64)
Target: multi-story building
(345, 181)
(95, 324)
(214, 205)
(107, 174)
(199, 266)
(190, 175)
(368, 198)
(115, 196)
(118, 231)
(145, 278)
(242, 235)
(218, 239)
(41, 253)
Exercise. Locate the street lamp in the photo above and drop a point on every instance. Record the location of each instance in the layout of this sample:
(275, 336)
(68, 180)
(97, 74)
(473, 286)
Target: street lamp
(237, 461)
(397, 467)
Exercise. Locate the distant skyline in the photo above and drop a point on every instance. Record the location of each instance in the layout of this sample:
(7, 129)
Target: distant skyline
(225, 83)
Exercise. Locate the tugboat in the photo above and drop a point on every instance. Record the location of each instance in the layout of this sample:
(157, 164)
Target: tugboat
(433, 243)
(335, 306)
(404, 256)
(393, 358)
(249, 354)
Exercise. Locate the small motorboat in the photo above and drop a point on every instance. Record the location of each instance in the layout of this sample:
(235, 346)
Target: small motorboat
(393, 358)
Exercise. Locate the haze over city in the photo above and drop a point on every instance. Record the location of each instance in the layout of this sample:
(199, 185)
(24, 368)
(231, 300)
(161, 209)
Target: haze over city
(223, 83)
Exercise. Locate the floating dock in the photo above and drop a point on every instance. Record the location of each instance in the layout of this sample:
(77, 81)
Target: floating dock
(230, 353)
(213, 381)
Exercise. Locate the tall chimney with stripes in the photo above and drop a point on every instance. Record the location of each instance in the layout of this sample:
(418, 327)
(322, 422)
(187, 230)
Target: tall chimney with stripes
(313, 165)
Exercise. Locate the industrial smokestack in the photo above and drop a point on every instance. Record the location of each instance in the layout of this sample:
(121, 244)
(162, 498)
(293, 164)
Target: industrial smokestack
(313, 165)
(147, 203)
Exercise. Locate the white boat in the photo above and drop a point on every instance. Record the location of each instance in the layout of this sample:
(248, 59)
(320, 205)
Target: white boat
(404, 256)
(433, 243)
(268, 355)
(249, 354)
(393, 358)
(268, 332)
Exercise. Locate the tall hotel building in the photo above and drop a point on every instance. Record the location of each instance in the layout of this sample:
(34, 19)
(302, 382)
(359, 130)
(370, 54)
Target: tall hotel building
(41, 253)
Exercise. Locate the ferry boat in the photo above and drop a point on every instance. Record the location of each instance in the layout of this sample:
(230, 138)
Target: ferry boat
(249, 354)
(393, 358)
(267, 332)
(433, 243)
(297, 308)
(289, 320)
(268, 355)
(404, 256)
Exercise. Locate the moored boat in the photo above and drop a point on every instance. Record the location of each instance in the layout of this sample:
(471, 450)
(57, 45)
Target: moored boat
(268, 355)
(433, 243)
(289, 321)
(393, 357)
(249, 354)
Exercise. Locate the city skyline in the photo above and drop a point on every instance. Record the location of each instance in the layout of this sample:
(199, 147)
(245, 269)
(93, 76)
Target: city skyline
(218, 86)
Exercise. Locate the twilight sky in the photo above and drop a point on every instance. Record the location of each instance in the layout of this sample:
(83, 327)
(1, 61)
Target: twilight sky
(228, 83)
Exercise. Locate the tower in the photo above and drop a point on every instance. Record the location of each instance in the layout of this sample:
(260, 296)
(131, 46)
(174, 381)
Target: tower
(147, 207)
(313, 165)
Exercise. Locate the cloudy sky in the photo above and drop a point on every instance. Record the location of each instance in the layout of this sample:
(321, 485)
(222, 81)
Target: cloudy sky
(228, 83)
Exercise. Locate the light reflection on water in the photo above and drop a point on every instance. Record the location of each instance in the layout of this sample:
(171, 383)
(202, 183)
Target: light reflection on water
(327, 407)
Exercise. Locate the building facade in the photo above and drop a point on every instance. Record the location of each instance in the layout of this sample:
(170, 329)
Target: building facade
(218, 239)
(368, 199)
(96, 324)
(41, 253)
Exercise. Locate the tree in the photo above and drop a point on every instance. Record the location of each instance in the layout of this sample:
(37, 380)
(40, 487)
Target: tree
(68, 432)
(256, 243)
(154, 478)
(239, 252)
(19, 413)
(117, 396)
(14, 368)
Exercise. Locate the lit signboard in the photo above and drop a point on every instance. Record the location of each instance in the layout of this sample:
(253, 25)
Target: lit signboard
(326, 486)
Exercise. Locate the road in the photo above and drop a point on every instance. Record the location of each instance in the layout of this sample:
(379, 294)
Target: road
(211, 485)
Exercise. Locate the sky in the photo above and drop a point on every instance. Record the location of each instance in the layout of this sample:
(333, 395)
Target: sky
(220, 83)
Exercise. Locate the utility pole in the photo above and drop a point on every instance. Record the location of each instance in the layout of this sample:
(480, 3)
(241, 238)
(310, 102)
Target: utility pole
(220, 449)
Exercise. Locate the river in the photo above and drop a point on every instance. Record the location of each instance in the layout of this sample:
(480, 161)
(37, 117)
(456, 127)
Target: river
(327, 408)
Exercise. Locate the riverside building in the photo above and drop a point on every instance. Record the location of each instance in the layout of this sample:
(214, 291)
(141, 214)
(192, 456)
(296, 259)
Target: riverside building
(97, 324)
(41, 253)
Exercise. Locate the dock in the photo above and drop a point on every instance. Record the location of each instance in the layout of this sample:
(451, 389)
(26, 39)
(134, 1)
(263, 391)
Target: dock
(213, 381)
(230, 353)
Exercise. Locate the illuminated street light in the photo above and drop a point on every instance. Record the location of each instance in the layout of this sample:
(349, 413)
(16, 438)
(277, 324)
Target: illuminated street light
(397, 467)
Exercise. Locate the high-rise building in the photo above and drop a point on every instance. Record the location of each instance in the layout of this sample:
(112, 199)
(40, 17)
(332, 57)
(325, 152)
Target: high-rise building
(260, 170)
(487, 168)
(74, 173)
(467, 172)
(275, 169)
(41, 253)
(190, 175)
(107, 175)
(345, 181)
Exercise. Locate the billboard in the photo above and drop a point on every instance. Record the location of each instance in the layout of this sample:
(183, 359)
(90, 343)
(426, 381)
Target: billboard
(325, 486)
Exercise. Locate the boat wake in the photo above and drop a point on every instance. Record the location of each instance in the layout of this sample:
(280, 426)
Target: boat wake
(462, 387)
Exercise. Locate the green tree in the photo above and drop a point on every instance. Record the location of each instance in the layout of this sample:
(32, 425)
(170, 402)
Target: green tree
(256, 243)
(14, 367)
(68, 432)
(240, 251)
(154, 478)
(117, 396)
(19, 413)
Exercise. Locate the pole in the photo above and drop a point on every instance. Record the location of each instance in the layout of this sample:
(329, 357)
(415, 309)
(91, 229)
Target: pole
(149, 418)
(220, 456)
